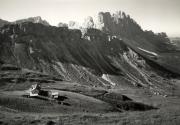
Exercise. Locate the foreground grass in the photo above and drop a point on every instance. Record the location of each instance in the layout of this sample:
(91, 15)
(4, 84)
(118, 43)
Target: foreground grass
(160, 117)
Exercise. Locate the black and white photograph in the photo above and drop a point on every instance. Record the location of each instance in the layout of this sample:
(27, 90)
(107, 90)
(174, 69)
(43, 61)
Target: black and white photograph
(89, 62)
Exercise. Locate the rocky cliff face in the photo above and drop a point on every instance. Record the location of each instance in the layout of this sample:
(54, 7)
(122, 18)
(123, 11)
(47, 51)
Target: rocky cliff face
(74, 25)
(3, 22)
(83, 59)
(62, 25)
(37, 19)
(146, 43)
(88, 23)
(57, 51)
(118, 24)
(124, 27)
(51, 43)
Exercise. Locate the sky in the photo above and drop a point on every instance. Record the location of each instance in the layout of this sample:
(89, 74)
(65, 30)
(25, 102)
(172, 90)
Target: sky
(155, 15)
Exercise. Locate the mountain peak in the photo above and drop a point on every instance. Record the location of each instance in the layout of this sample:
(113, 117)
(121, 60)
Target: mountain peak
(36, 19)
(88, 22)
(115, 22)
(3, 22)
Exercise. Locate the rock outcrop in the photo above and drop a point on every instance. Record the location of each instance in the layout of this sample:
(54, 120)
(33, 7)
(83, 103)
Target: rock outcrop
(62, 25)
(37, 19)
(117, 24)
(88, 22)
(124, 27)
(3, 22)
(74, 25)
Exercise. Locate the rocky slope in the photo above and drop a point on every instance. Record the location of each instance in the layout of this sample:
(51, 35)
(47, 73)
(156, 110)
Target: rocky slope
(154, 47)
(3, 22)
(37, 19)
(81, 58)
(176, 41)
(117, 52)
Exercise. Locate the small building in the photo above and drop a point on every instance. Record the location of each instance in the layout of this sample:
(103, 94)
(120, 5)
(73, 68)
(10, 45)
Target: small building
(35, 90)
(53, 94)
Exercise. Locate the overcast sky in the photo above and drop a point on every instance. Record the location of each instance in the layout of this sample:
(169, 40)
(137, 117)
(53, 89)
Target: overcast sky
(156, 15)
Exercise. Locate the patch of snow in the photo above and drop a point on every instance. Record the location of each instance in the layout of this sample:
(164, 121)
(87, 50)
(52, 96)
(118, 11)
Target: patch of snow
(31, 50)
(106, 77)
(88, 38)
(61, 66)
(114, 37)
(24, 29)
(109, 38)
(153, 53)
(31, 41)
(12, 36)
(135, 67)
